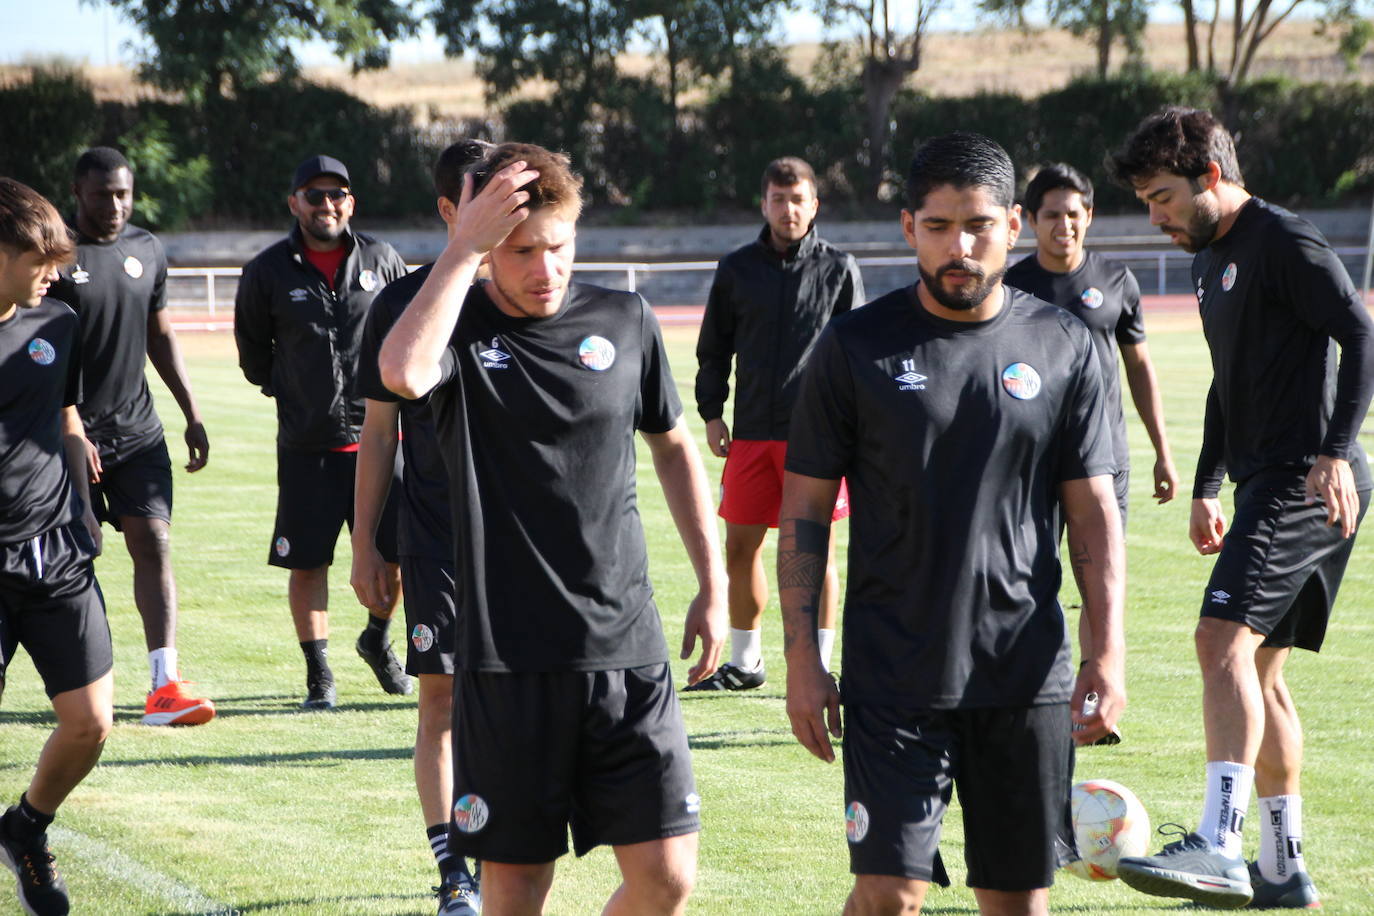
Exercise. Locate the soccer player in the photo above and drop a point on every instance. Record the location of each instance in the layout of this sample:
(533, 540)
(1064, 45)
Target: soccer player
(964, 414)
(1284, 421)
(298, 320)
(564, 710)
(425, 544)
(118, 287)
(768, 303)
(50, 602)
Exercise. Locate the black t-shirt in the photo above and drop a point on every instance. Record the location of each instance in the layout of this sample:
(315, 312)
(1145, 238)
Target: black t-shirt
(1275, 300)
(426, 526)
(115, 287)
(1105, 296)
(955, 438)
(537, 419)
(40, 373)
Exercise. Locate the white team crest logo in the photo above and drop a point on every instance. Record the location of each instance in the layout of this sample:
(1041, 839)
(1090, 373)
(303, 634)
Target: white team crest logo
(1021, 381)
(80, 275)
(283, 546)
(493, 357)
(1220, 596)
(1091, 298)
(1228, 277)
(298, 294)
(855, 822)
(422, 637)
(42, 352)
(470, 813)
(133, 267)
(909, 379)
(367, 280)
(596, 353)
(692, 803)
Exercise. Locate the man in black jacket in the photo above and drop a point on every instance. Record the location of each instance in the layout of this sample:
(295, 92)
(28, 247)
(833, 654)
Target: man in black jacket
(768, 304)
(298, 320)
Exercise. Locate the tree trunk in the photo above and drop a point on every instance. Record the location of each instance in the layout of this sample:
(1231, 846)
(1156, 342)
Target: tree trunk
(1190, 32)
(1104, 42)
(882, 79)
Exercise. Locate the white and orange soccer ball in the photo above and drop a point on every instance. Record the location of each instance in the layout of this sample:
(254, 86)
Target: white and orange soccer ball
(1109, 822)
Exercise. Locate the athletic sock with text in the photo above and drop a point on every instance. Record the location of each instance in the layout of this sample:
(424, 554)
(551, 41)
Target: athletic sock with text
(1225, 804)
(1280, 851)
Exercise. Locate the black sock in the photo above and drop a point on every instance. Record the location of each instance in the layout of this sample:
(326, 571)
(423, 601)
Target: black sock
(26, 822)
(374, 634)
(317, 660)
(438, 844)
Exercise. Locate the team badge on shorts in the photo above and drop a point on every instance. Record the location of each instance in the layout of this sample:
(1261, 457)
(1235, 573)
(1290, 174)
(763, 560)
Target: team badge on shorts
(470, 813)
(1228, 277)
(133, 267)
(422, 637)
(1091, 298)
(42, 352)
(692, 803)
(283, 546)
(367, 280)
(1021, 381)
(596, 353)
(855, 822)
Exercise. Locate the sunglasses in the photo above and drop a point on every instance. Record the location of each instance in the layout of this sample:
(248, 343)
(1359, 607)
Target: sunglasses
(316, 196)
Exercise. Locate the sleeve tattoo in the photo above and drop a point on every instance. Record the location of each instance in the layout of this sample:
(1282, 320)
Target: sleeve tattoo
(802, 549)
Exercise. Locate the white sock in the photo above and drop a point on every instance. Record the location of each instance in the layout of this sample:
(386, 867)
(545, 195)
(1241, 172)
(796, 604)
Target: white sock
(1280, 852)
(1225, 804)
(163, 665)
(825, 639)
(746, 648)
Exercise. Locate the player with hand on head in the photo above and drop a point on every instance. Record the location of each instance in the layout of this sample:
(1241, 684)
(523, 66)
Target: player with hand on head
(1283, 418)
(564, 710)
(966, 416)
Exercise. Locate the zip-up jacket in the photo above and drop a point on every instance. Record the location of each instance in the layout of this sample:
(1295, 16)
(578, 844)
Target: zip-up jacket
(765, 311)
(298, 338)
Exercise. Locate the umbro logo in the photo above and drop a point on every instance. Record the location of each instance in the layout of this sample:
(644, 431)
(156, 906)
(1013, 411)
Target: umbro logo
(298, 294)
(910, 379)
(494, 357)
(1220, 597)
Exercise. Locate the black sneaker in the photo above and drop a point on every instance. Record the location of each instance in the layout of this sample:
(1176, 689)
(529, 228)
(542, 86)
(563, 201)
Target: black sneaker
(320, 694)
(42, 892)
(1189, 868)
(732, 677)
(460, 895)
(1297, 893)
(385, 665)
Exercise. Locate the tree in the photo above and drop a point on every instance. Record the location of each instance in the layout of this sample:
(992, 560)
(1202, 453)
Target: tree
(211, 48)
(1106, 21)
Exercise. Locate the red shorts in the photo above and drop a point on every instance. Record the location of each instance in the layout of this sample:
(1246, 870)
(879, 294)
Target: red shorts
(751, 484)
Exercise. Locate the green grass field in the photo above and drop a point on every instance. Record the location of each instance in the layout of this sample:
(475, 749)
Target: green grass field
(268, 810)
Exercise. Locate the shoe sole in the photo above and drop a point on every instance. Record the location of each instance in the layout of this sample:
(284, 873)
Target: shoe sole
(195, 715)
(1213, 891)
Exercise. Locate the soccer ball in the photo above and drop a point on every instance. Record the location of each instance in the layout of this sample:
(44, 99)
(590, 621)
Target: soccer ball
(1109, 822)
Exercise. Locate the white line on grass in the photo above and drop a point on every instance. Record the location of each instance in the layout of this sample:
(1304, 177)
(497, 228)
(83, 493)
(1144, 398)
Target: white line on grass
(127, 871)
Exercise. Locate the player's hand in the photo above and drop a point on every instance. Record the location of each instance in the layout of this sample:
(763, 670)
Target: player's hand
(706, 619)
(1166, 480)
(1105, 680)
(718, 437)
(1207, 525)
(813, 706)
(1331, 482)
(482, 221)
(369, 578)
(93, 466)
(93, 529)
(197, 446)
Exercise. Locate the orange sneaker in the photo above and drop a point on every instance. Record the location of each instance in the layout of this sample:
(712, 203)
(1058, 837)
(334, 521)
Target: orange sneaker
(170, 704)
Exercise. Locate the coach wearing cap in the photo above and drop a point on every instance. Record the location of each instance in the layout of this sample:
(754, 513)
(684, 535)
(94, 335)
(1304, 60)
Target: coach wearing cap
(298, 320)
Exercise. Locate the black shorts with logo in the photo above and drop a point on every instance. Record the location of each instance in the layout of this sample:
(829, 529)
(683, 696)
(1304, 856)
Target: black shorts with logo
(315, 501)
(1013, 769)
(139, 486)
(427, 592)
(1281, 564)
(534, 752)
(50, 603)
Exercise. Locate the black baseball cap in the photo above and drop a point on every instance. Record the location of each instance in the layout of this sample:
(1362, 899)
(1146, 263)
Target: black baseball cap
(316, 166)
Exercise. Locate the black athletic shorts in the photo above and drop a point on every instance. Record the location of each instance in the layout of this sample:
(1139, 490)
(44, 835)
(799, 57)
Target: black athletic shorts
(1013, 769)
(427, 592)
(315, 501)
(50, 603)
(534, 752)
(1280, 565)
(1121, 484)
(139, 486)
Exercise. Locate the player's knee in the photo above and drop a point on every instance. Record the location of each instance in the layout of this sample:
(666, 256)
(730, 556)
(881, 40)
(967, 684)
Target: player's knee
(149, 541)
(89, 728)
(884, 895)
(665, 888)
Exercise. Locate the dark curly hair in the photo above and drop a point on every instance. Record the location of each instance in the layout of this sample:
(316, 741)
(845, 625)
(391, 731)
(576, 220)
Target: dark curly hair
(557, 185)
(1176, 140)
(963, 160)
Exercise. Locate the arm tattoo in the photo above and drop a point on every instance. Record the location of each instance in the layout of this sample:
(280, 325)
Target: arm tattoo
(1080, 558)
(803, 546)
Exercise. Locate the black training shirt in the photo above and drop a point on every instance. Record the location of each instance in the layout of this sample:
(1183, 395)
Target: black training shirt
(955, 438)
(1275, 300)
(537, 417)
(40, 373)
(426, 526)
(115, 287)
(1104, 295)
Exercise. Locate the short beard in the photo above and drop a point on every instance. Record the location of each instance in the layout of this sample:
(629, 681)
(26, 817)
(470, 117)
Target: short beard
(970, 296)
(324, 235)
(1202, 225)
